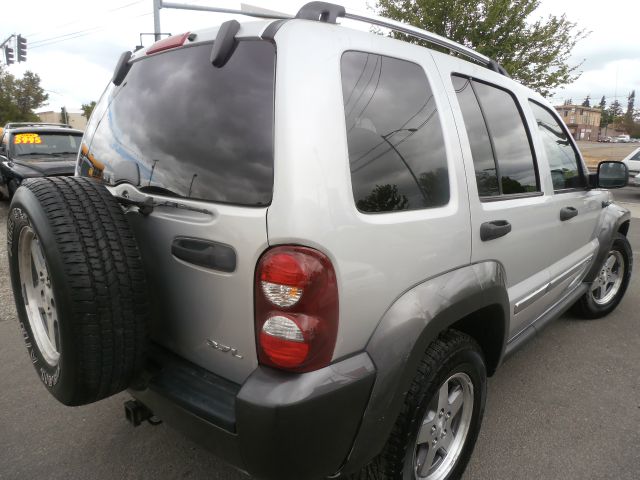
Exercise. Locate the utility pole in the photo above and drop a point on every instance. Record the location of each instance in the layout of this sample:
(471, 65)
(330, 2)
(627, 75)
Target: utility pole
(157, 5)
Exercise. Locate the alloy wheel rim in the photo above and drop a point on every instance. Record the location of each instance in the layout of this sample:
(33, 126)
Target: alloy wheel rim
(37, 293)
(444, 429)
(608, 282)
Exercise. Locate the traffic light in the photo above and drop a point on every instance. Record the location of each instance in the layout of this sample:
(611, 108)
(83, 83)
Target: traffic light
(8, 55)
(21, 43)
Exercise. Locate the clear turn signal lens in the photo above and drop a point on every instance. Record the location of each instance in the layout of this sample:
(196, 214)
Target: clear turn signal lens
(281, 295)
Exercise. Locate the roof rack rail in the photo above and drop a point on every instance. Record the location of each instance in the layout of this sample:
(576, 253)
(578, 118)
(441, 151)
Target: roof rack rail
(36, 124)
(329, 12)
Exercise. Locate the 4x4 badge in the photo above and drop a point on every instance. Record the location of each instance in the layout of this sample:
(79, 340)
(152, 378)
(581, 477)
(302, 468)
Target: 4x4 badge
(224, 348)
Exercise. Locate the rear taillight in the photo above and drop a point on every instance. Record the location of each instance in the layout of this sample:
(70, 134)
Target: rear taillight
(296, 315)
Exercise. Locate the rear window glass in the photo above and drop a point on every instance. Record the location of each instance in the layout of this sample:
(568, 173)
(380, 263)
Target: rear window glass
(396, 148)
(180, 126)
(25, 145)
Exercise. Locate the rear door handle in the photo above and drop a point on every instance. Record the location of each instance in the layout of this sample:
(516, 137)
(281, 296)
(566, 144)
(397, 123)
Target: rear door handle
(205, 253)
(568, 212)
(494, 229)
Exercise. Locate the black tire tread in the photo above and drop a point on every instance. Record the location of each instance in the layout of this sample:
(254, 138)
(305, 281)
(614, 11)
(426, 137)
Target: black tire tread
(583, 307)
(105, 277)
(386, 465)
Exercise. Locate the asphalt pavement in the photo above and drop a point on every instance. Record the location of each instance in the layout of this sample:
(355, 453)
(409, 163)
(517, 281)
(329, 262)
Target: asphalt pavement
(567, 406)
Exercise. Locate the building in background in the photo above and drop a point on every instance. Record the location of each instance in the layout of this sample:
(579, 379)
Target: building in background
(582, 122)
(76, 120)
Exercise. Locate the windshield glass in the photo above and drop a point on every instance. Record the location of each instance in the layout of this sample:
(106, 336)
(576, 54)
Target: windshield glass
(178, 126)
(34, 145)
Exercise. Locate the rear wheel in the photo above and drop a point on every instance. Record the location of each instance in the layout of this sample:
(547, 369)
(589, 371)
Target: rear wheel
(608, 288)
(437, 428)
(79, 287)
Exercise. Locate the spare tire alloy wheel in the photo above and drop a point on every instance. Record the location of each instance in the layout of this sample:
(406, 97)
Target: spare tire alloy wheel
(79, 287)
(37, 292)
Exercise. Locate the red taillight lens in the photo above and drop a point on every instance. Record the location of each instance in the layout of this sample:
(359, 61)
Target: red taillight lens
(296, 316)
(167, 43)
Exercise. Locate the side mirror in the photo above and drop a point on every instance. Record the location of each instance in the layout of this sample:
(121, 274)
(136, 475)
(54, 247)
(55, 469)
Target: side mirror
(610, 175)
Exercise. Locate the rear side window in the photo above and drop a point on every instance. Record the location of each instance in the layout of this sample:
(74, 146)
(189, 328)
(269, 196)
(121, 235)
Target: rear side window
(396, 148)
(564, 161)
(181, 127)
(636, 156)
(499, 140)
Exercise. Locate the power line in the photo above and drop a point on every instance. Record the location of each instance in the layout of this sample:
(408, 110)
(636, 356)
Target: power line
(78, 34)
(35, 34)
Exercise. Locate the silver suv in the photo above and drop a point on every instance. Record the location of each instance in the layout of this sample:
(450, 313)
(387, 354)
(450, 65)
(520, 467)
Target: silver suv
(307, 246)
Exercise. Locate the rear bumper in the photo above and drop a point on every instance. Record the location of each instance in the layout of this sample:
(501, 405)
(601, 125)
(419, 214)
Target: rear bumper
(276, 425)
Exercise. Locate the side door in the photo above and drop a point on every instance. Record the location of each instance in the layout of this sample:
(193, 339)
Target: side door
(511, 213)
(577, 208)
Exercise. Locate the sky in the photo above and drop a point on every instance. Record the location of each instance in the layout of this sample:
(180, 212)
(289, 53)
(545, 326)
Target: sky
(74, 44)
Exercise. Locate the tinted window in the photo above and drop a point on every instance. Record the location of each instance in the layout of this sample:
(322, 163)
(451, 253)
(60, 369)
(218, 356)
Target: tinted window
(563, 159)
(35, 145)
(180, 126)
(507, 138)
(396, 148)
(636, 156)
(481, 151)
(510, 140)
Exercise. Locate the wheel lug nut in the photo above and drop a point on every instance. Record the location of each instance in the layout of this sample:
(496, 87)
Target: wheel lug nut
(448, 414)
(435, 441)
(433, 429)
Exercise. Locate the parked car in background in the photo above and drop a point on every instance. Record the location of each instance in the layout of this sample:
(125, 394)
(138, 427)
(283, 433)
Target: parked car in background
(632, 161)
(30, 150)
(622, 139)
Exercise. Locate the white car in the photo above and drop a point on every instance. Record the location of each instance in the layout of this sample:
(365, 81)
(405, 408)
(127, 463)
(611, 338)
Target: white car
(632, 161)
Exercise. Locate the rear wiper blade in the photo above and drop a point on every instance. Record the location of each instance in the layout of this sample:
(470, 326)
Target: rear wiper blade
(146, 204)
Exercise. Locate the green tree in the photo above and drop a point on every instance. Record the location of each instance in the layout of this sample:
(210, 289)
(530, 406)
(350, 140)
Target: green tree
(87, 108)
(604, 118)
(383, 198)
(629, 123)
(30, 95)
(64, 116)
(587, 101)
(615, 112)
(19, 97)
(533, 51)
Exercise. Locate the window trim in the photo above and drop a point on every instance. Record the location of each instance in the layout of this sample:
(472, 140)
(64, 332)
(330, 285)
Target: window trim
(576, 151)
(525, 124)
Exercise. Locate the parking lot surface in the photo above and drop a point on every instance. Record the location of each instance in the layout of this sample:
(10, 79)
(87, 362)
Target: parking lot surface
(567, 406)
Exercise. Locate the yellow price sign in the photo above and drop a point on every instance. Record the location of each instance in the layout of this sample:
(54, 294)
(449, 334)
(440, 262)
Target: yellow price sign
(22, 138)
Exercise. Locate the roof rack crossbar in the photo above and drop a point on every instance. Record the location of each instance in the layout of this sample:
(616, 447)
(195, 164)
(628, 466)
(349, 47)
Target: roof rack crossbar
(36, 124)
(330, 11)
(245, 10)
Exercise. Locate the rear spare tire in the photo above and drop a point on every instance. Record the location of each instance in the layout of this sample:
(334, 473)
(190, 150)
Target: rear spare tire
(79, 287)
